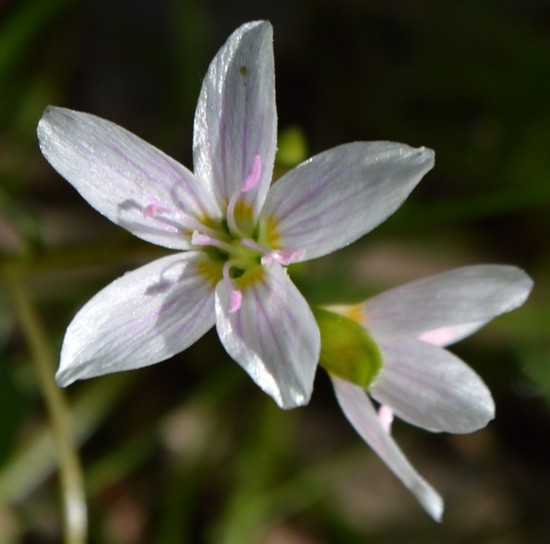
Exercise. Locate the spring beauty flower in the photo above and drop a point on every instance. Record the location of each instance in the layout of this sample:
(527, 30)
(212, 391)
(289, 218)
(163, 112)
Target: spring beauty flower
(419, 381)
(235, 234)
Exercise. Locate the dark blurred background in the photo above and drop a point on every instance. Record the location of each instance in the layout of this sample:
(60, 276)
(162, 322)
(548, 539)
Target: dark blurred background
(190, 451)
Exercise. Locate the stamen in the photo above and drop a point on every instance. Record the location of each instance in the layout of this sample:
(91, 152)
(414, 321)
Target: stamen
(153, 209)
(247, 242)
(236, 301)
(252, 180)
(283, 256)
(200, 239)
(225, 271)
(156, 212)
(248, 184)
(180, 220)
(385, 416)
(236, 296)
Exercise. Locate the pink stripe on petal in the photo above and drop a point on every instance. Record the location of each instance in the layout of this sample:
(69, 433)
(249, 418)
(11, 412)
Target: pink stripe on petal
(338, 196)
(273, 336)
(120, 175)
(144, 317)
(236, 117)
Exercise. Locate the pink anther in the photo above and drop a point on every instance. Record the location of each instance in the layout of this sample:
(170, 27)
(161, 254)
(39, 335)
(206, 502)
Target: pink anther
(235, 302)
(153, 210)
(199, 239)
(252, 180)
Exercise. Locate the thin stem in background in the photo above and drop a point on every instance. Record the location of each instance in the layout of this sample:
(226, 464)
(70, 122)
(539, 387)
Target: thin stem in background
(71, 480)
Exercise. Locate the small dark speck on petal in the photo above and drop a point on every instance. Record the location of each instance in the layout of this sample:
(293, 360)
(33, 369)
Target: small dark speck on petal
(243, 70)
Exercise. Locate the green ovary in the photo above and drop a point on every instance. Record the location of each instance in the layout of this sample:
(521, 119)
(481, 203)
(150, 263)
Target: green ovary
(347, 349)
(239, 256)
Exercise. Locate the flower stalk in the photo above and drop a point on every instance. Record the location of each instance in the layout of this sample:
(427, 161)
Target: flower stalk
(70, 472)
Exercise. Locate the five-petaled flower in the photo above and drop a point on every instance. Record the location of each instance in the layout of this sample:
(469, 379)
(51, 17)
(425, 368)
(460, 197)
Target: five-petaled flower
(235, 233)
(419, 381)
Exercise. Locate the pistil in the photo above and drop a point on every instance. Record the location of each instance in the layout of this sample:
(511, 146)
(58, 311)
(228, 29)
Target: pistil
(158, 212)
(247, 185)
(240, 250)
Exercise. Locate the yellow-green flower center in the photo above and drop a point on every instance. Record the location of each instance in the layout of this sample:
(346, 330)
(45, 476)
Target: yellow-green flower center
(238, 246)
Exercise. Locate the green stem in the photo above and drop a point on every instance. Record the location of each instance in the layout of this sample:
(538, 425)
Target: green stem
(71, 480)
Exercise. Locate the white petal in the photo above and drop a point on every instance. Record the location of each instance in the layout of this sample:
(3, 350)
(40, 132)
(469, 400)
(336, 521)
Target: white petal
(142, 318)
(432, 388)
(338, 196)
(126, 179)
(236, 117)
(273, 336)
(361, 414)
(445, 336)
(469, 295)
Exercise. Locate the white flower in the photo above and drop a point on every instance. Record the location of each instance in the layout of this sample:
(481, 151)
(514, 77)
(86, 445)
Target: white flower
(420, 382)
(235, 233)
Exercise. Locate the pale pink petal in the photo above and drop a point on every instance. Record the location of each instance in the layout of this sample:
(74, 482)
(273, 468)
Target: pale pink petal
(445, 336)
(432, 388)
(338, 196)
(142, 318)
(236, 119)
(361, 414)
(273, 336)
(123, 177)
(464, 297)
(385, 416)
